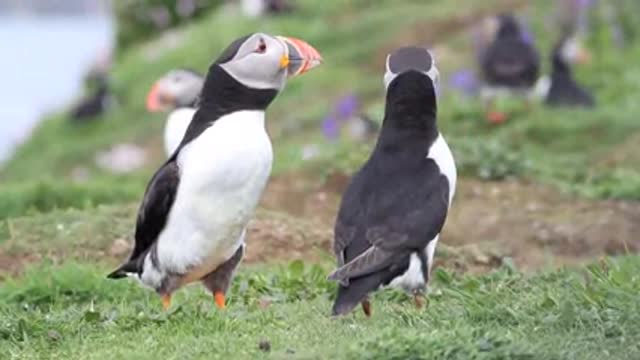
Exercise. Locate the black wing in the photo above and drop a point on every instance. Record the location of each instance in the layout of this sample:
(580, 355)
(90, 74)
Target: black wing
(155, 207)
(399, 220)
(511, 62)
(152, 215)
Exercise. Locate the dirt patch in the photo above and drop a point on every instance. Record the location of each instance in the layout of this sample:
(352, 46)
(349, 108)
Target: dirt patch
(490, 222)
(534, 225)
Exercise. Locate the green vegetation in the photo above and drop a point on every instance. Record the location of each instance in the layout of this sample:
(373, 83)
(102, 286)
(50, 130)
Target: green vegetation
(74, 313)
(64, 308)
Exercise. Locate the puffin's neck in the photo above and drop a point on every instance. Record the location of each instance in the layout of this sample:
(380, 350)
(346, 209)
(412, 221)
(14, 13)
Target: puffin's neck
(222, 95)
(410, 113)
(558, 65)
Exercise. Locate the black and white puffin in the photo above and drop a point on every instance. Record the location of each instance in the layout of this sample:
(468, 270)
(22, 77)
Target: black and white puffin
(510, 65)
(394, 208)
(177, 91)
(563, 88)
(192, 221)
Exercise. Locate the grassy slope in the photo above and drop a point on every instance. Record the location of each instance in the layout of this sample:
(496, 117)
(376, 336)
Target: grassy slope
(74, 313)
(588, 151)
(71, 312)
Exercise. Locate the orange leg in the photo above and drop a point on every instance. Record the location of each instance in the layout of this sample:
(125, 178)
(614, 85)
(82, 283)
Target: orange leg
(419, 301)
(166, 301)
(366, 308)
(218, 296)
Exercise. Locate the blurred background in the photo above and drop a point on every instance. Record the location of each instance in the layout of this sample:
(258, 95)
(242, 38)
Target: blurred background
(550, 171)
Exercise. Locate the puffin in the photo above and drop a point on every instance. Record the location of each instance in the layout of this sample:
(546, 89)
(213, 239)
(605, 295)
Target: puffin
(91, 107)
(563, 88)
(509, 65)
(177, 91)
(395, 206)
(192, 221)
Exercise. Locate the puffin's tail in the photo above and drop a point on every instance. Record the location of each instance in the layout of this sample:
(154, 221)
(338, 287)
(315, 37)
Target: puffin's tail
(357, 290)
(125, 270)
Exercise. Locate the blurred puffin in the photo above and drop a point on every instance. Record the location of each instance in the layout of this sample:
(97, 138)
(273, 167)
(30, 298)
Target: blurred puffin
(91, 107)
(177, 91)
(509, 65)
(192, 221)
(394, 208)
(563, 89)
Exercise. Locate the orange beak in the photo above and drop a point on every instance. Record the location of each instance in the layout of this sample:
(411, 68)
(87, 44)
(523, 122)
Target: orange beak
(300, 57)
(583, 57)
(156, 100)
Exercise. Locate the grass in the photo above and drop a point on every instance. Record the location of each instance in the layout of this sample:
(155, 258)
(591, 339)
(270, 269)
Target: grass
(64, 308)
(72, 312)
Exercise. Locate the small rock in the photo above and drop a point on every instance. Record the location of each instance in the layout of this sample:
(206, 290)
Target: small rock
(264, 345)
(119, 247)
(54, 335)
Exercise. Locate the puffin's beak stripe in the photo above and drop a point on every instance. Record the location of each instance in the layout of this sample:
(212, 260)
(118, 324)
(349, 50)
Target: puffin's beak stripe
(284, 61)
(301, 57)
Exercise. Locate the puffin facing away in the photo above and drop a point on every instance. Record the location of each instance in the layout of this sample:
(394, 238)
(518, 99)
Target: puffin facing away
(192, 221)
(395, 207)
(177, 91)
(564, 90)
(510, 65)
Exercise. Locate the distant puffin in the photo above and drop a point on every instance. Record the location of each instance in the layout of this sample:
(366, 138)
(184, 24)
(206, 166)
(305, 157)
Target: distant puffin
(192, 221)
(94, 105)
(394, 208)
(510, 65)
(564, 90)
(177, 91)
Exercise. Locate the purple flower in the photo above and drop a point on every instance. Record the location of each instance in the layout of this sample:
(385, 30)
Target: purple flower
(465, 81)
(330, 128)
(346, 107)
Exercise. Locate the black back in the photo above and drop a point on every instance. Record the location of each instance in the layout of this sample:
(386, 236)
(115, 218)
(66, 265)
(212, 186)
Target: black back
(564, 90)
(509, 60)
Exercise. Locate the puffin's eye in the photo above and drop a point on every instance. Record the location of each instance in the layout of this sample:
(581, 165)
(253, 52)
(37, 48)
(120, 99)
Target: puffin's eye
(262, 47)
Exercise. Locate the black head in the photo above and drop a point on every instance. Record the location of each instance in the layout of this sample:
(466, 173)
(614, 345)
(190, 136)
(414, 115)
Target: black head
(411, 79)
(508, 26)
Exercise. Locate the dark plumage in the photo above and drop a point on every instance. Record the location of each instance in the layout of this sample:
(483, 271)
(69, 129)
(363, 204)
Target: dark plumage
(510, 61)
(94, 105)
(564, 90)
(397, 203)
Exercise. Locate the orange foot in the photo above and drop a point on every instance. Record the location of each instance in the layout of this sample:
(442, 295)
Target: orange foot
(419, 301)
(495, 117)
(218, 296)
(166, 301)
(366, 308)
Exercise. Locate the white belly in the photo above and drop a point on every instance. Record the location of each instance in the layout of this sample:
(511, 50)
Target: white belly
(222, 175)
(177, 124)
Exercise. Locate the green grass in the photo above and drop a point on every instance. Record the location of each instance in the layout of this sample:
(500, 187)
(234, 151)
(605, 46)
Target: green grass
(74, 313)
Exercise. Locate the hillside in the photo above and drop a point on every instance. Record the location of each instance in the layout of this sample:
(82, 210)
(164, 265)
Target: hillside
(542, 201)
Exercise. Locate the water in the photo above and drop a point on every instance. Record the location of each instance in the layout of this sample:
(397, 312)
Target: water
(42, 62)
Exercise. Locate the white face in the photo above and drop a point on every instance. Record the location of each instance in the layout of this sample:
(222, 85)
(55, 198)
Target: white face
(427, 67)
(182, 85)
(259, 62)
(573, 52)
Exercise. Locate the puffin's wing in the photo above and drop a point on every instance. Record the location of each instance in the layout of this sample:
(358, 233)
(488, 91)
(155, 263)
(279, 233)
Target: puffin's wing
(350, 215)
(407, 225)
(155, 207)
(152, 215)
